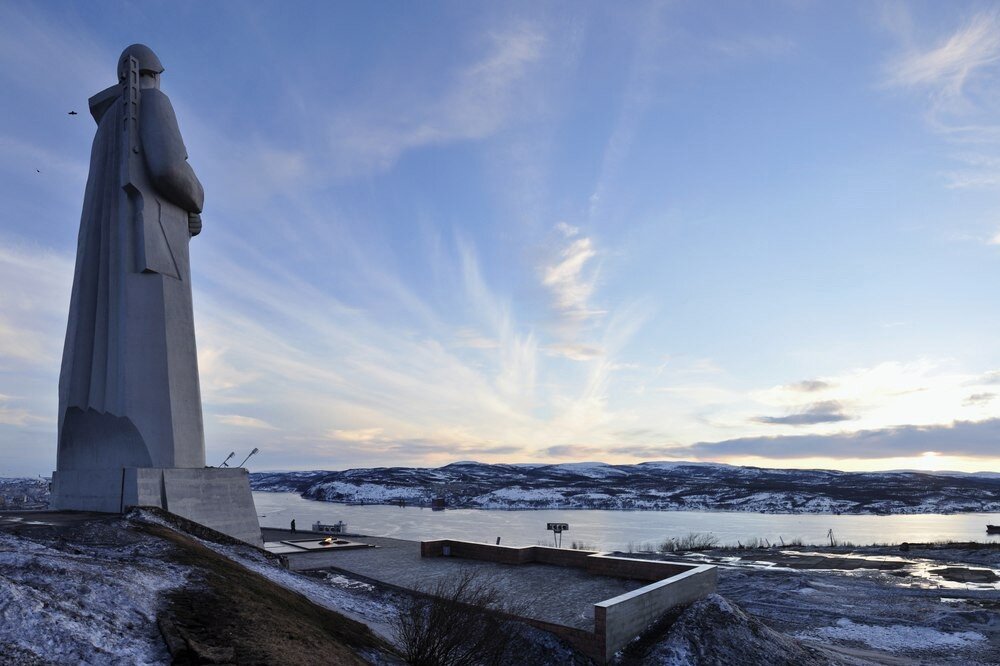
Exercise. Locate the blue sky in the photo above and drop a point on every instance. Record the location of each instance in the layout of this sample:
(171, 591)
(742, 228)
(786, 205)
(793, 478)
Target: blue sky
(757, 233)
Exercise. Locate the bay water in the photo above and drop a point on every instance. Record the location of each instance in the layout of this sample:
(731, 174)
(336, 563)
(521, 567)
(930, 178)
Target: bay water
(618, 530)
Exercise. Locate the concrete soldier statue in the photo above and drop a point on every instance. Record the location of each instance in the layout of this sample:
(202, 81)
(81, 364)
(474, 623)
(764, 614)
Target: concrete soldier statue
(130, 417)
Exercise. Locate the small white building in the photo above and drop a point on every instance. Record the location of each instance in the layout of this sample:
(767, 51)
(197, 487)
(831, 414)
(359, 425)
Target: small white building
(339, 527)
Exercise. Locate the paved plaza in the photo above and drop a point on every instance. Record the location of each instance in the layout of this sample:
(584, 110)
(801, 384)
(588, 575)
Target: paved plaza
(560, 595)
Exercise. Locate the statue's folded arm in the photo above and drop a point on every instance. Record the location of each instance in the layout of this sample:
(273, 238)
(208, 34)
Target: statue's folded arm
(165, 154)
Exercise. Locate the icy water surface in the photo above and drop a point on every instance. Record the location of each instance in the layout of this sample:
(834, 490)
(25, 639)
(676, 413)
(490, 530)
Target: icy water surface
(615, 530)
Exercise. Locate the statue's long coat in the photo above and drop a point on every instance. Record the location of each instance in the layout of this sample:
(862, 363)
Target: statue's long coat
(128, 390)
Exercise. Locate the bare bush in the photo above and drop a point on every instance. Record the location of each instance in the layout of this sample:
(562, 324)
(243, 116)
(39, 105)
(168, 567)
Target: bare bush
(459, 621)
(693, 541)
(582, 545)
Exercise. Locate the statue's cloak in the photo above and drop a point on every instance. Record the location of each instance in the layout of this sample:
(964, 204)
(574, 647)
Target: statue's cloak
(91, 377)
(128, 388)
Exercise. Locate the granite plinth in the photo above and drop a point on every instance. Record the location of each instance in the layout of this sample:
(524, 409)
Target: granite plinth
(219, 498)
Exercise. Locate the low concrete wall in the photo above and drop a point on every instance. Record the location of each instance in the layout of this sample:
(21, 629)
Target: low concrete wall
(616, 621)
(636, 569)
(594, 562)
(624, 617)
(562, 557)
(489, 553)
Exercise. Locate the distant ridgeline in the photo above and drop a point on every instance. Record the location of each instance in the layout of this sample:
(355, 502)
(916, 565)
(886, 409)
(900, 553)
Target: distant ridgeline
(662, 486)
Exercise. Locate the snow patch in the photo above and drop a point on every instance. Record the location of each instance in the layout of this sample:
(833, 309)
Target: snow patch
(87, 606)
(895, 637)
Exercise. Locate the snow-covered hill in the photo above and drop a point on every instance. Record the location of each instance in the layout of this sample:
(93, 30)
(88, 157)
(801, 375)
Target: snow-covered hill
(648, 486)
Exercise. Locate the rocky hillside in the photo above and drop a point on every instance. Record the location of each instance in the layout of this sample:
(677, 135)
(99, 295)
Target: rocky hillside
(648, 486)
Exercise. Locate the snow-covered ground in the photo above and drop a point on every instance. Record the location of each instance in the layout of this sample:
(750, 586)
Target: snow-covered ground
(84, 604)
(881, 616)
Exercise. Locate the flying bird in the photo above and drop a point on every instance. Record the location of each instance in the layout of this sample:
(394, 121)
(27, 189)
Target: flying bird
(72, 113)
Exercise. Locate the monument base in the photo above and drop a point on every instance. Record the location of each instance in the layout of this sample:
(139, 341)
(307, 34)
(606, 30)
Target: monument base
(216, 497)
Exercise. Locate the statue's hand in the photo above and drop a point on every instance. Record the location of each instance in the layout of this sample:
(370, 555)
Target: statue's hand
(194, 224)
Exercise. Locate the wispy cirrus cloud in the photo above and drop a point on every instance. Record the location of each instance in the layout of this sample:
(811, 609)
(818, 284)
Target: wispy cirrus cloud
(571, 281)
(356, 435)
(12, 415)
(950, 69)
(481, 98)
(33, 304)
(575, 351)
(240, 421)
(958, 74)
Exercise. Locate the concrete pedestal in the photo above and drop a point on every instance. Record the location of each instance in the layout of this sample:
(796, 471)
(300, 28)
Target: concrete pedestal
(215, 497)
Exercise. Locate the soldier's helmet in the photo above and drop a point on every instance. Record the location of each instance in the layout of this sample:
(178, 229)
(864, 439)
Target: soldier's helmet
(148, 62)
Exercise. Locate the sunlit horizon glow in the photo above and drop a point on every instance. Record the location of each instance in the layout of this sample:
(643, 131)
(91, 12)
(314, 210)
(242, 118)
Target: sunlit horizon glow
(758, 234)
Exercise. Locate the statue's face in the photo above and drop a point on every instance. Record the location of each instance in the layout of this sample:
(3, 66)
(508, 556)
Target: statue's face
(149, 80)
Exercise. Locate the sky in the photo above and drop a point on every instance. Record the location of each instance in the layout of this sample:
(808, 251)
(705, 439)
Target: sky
(753, 233)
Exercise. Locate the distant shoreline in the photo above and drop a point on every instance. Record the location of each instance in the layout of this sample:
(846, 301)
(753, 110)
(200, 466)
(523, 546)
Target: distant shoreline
(416, 505)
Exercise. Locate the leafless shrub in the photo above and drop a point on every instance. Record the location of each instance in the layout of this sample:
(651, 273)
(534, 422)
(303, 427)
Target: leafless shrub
(459, 621)
(582, 545)
(756, 542)
(693, 541)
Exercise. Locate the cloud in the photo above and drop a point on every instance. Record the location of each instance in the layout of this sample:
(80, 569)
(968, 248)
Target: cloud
(567, 230)
(949, 68)
(640, 87)
(518, 350)
(980, 171)
(574, 451)
(979, 398)
(989, 378)
(244, 421)
(481, 99)
(467, 337)
(959, 76)
(364, 443)
(574, 351)
(828, 411)
(961, 438)
(569, 282)
(810, 386)
(14, 416)
(357, 435)
(34, 301)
